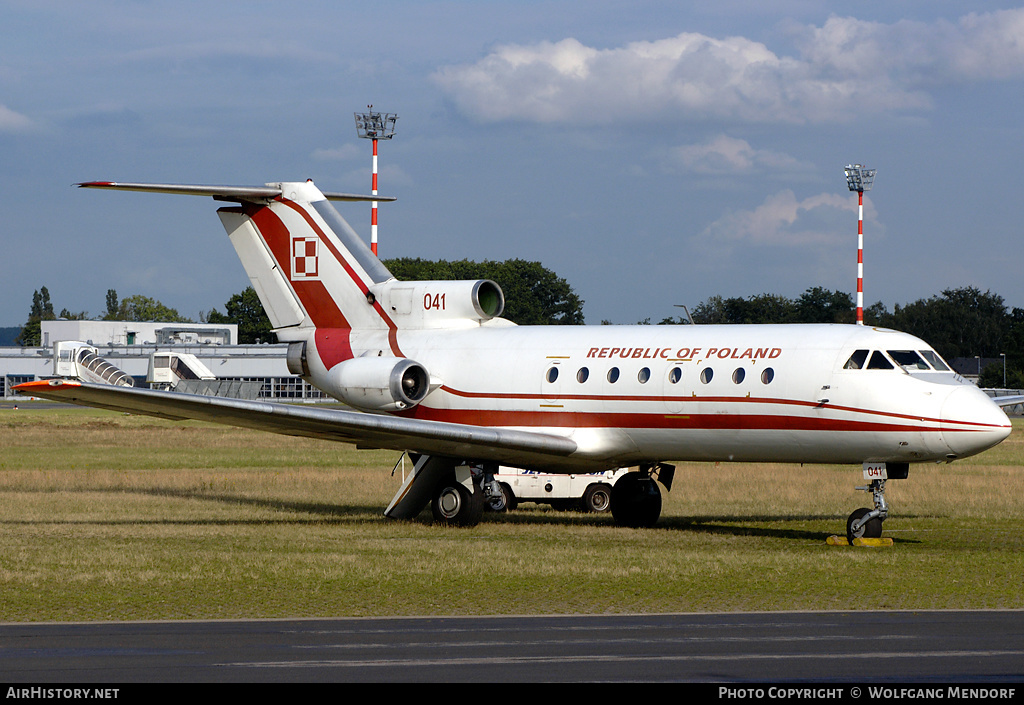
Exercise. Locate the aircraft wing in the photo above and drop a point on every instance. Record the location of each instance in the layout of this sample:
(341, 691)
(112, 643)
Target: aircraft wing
(1009, 401)
(229, 193)
(479, 443)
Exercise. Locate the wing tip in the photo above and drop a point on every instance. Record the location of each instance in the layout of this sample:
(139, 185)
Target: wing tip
(27, 387)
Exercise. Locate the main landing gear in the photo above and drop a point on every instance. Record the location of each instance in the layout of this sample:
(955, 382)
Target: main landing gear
(636, 499)
(867, 523)
(458, 492)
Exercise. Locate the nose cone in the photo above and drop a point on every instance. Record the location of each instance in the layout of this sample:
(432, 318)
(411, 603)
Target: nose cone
(972, 422)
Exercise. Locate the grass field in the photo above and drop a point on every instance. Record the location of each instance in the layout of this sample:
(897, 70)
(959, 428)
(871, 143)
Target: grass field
(112, 517)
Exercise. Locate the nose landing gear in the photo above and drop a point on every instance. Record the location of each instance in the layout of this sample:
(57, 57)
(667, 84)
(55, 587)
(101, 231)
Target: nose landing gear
(867, 523)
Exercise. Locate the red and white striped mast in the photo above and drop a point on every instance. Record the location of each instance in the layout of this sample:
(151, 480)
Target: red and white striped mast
(860, 179)
(375, 126)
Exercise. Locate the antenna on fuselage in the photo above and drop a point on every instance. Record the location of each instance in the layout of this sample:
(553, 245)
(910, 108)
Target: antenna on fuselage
(860, 179)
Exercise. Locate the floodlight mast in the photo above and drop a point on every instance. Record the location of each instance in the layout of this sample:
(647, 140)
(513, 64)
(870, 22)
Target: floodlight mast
(860, 179)
(375, 126)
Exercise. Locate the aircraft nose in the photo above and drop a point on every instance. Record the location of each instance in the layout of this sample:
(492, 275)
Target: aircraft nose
(972, 422)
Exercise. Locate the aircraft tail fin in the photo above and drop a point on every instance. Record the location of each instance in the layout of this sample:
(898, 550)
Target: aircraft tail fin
(312, 271)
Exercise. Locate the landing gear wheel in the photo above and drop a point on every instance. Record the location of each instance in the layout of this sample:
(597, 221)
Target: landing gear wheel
(636, 501)
(505, 503)
(454, 505)
(870, 530)
(597, 498)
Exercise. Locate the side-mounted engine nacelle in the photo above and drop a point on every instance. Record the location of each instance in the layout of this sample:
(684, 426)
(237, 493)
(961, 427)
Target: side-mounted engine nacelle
(439, 304)
(379, 383)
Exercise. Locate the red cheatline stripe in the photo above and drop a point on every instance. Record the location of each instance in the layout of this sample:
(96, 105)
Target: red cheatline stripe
(750, 422)
(686, 400)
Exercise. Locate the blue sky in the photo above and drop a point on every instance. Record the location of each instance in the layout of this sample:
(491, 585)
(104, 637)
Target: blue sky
(652, 153)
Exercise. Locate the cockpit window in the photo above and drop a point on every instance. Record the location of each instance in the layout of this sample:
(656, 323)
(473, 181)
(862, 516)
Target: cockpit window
(908, 360)
(933, 357)
(856, 360)
(879, 361)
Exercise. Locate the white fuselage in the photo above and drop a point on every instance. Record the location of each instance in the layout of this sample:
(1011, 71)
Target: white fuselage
(636, 394)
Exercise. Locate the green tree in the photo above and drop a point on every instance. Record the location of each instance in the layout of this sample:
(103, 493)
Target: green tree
(143, 308)
(1013, 347)
(41, 310)
(74, 316)
(992, 376)
(961, 322)
(112, 306)
(820, 305)
(1014, 341)
(877, 315)
(762, 308)
(245, 310)
(534, 295)
(710, 311)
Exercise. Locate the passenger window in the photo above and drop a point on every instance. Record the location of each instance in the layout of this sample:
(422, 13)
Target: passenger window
(582, 375)
(706, 374)
(552, 374)
(767, 375)
(856, 361)
(738, 374)
(675, 374)
(879, 361)
(644, 375)
(613, 375)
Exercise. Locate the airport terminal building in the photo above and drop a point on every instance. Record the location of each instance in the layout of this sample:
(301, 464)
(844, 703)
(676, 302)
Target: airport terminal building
(249, 371)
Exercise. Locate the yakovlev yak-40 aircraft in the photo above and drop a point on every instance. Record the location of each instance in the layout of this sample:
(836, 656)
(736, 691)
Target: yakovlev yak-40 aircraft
(434, 370)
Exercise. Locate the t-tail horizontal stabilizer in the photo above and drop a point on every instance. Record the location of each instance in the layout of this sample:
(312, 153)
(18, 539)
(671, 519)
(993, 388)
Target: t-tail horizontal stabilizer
(223, 193)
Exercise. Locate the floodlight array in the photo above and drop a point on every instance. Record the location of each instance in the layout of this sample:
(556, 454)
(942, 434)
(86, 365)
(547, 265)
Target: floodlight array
(859, 178)
(376, 126)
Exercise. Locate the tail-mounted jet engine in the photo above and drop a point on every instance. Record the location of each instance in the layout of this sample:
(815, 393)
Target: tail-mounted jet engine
(439, 304)
(379, 383)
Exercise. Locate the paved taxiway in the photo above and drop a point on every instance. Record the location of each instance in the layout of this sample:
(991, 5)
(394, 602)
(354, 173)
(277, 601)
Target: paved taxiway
(862, 646)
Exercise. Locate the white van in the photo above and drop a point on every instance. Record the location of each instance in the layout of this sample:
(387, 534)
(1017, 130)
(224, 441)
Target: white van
(590, 492)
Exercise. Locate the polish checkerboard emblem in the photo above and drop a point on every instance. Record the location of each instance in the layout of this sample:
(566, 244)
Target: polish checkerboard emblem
(305, 258)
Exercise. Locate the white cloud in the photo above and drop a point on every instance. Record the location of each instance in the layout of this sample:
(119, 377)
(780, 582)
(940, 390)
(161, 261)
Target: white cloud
(784, 221)
(843, 66)
(11, 121)
(640, 82)
(977, 47)
(729, 155)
